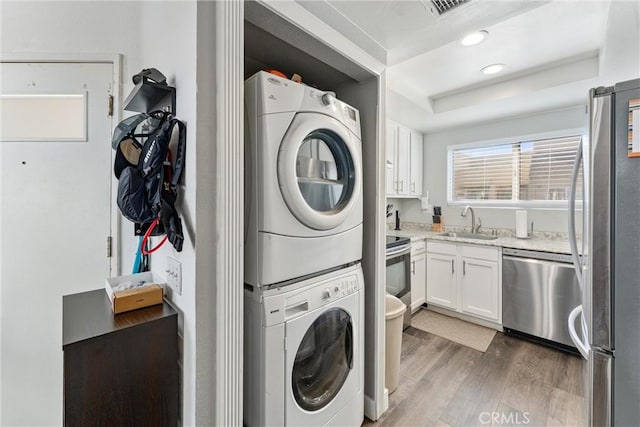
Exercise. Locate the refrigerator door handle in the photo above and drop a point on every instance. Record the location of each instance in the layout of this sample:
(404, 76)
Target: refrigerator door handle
(581, 343)
(572, 215)
(598, 304)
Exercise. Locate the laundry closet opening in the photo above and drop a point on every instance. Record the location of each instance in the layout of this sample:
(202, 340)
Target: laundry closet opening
(325, 181)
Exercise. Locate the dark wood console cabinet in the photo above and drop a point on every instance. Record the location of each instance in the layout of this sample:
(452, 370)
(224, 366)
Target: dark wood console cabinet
(119, 370)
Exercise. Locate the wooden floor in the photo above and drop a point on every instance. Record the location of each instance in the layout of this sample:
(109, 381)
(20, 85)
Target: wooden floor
(515, 382)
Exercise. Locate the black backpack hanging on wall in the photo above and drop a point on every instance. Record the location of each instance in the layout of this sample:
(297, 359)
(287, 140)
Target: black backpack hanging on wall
(148, 179)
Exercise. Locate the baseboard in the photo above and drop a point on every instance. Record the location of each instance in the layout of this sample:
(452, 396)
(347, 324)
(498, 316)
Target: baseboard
(385, 401)
(417, 306)
(370, 406)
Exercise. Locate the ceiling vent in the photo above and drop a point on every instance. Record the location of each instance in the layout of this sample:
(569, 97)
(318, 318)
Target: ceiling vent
(438, 7)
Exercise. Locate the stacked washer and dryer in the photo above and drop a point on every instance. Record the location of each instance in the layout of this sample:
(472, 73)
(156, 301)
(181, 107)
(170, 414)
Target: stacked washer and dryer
(304, 288)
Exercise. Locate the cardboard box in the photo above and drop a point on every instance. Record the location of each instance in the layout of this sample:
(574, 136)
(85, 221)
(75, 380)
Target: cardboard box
(134, 291)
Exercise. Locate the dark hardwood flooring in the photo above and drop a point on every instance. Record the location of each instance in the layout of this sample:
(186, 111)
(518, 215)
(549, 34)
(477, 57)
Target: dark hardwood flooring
(515, 382)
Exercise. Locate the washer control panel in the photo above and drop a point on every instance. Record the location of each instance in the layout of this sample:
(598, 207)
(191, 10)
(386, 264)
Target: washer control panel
(339, 289)
(281, 306)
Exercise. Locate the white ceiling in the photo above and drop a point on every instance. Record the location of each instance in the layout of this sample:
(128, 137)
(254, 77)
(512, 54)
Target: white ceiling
(553, 51)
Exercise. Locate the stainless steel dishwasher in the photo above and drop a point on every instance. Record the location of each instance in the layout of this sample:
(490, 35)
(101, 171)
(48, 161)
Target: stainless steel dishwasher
(539, 290)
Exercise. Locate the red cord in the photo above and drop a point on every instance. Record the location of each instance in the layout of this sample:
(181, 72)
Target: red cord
(146, 237)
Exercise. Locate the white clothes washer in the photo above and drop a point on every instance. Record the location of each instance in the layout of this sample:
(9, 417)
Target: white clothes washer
(303, 181)
(304, 363)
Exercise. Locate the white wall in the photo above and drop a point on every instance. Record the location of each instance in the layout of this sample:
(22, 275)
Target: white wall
(130, 29)
(435, 170)
(402, 110)
(620, 60)
(77, 28)
(366, 97)
(172, 50)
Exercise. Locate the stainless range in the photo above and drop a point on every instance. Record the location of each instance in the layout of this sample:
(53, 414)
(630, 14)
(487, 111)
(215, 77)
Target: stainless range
(399, 273)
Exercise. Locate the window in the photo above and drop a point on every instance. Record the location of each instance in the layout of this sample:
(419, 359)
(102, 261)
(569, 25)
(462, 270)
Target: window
(533, 172)
(43, 117)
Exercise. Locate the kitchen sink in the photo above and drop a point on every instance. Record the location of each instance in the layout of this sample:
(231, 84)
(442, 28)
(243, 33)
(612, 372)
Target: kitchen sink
(468, 235)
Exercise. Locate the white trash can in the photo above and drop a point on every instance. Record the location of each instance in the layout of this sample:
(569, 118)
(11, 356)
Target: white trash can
(394, 311)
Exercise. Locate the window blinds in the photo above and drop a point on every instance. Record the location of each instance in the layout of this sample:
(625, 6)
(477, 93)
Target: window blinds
(524, 171)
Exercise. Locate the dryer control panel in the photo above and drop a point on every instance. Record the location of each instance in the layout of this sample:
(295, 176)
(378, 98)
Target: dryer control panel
(273, 94)
(326, 102)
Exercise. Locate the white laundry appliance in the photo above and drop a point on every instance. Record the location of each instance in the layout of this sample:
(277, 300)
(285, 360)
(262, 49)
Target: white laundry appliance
(303, 347)
(303, 181)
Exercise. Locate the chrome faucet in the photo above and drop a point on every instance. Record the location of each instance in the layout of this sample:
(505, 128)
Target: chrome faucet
(474, 228)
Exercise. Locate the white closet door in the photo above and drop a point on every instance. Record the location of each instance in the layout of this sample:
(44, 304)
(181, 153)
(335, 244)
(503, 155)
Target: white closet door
(55, 220)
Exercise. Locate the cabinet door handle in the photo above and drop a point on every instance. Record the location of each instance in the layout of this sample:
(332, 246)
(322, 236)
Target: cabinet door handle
(452, 268)
(413, 187)
(395, 185)
(402, 185)
(413, 267)
(464, 268)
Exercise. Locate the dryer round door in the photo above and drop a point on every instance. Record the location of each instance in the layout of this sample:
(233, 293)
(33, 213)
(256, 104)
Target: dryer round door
(319, 170)
(323, 360)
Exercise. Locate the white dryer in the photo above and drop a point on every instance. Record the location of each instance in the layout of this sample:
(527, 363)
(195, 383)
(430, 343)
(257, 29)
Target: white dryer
(304, 363)
(303, 181)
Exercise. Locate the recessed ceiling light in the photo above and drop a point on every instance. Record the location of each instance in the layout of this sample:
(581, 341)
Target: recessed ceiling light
(474, 38)
(492, 69)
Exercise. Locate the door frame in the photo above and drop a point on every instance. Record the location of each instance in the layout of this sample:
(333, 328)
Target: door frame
(116, 91)
(375, 397)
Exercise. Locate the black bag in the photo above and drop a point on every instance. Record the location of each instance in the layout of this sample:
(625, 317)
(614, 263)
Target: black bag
(148, 182)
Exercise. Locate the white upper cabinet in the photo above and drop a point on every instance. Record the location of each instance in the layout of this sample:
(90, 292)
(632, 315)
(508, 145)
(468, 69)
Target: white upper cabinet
(392, 136)
(404, 161)
(403, 150)
(417, 162)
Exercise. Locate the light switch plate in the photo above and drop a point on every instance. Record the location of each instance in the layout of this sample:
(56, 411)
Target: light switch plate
(174, 275)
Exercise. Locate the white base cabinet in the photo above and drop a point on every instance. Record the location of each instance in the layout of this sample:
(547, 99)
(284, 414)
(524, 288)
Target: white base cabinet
(442, 289)
(466, 279)
(479, 288)
(418, 274)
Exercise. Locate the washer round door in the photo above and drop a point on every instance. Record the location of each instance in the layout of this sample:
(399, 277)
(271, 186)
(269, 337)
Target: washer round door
(319, 170)
(323, 361)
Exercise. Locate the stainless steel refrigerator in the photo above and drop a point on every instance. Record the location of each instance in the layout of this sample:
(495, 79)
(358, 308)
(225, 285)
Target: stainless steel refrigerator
(606, 326)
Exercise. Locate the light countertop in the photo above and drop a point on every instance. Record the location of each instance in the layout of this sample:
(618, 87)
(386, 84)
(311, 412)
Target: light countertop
(556, 245)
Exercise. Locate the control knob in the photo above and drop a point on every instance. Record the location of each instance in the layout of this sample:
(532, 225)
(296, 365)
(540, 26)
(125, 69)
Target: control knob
(326, 99)
(326, 294)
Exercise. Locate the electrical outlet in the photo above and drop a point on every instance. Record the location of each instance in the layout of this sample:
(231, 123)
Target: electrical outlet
(174, 275)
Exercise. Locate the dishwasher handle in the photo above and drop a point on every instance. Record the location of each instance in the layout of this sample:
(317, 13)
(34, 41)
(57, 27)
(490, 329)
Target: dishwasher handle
(561, 264)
